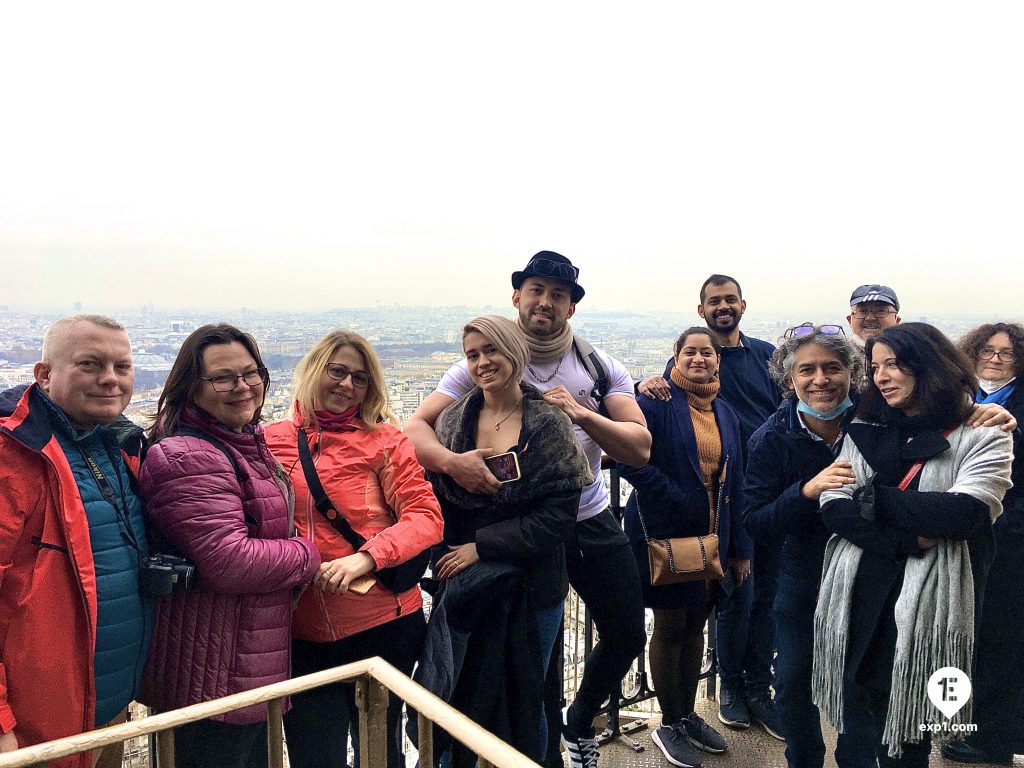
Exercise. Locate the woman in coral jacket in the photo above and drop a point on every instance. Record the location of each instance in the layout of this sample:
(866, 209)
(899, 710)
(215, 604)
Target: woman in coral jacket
(369, 471)
(216, 495)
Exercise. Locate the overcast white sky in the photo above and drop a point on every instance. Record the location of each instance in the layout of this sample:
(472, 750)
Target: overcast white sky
(340, 154)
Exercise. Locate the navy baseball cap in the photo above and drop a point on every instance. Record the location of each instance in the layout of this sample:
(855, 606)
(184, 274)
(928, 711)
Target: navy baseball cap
(875, 292)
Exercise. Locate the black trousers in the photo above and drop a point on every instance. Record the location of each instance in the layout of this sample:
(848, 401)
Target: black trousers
(316, 728)
(999, 652)
(213, 744)
(603, 572)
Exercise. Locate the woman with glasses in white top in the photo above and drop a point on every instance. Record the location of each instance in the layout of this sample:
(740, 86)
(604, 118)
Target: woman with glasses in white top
(997, 351)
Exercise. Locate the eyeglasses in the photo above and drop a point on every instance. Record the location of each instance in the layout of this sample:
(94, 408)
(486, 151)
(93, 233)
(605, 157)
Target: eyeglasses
(861, 313)
(545, 267)
(1006, 355)
(808, 329)
(340, 372)
(225, 382)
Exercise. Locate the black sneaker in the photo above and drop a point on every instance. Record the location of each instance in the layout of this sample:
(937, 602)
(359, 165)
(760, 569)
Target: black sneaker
(762, 711)
(672, 741)
(732, 709)
(962, 752)
(582, 750)
(702, 735)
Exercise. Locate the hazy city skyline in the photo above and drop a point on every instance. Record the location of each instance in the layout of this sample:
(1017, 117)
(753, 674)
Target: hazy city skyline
(334, 155)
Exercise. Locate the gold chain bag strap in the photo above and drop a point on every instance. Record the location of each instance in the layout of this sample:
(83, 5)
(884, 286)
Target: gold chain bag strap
(690, 558)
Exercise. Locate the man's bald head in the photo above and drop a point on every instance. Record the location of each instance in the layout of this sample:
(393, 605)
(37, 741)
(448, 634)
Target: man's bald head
(59, 335)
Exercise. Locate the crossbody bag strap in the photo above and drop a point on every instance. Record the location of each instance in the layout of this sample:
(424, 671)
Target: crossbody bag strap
(912, 472)
(643, 525)
(321, 500)
(715, 511)
(639, 514)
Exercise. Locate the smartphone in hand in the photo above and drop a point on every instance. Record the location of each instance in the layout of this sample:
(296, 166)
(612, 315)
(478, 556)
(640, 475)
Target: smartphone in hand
(504, 466)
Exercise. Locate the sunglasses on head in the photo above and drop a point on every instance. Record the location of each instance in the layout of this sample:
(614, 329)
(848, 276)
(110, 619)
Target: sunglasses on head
(808, 329)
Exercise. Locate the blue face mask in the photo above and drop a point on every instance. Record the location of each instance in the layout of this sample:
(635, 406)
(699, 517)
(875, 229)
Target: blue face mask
(835, 413)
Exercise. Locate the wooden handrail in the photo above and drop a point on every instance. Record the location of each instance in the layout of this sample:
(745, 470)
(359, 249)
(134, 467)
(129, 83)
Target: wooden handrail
(489, 747)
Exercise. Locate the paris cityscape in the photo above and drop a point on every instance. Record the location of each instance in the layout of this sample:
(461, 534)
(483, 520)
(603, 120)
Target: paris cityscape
(416, 344)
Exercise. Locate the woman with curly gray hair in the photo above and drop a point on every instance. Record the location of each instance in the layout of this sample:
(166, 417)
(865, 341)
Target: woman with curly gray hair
(792, 459)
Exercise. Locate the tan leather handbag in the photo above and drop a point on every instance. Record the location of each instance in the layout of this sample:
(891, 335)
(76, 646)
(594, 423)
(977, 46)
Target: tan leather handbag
(690, 558)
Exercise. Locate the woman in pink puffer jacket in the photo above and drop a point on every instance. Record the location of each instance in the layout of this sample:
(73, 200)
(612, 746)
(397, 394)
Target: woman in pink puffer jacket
(216, 495)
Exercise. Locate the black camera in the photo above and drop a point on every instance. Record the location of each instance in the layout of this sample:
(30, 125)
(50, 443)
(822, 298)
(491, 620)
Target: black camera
(162, 575)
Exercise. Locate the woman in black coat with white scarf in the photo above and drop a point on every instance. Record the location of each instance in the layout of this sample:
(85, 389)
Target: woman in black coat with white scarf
(904, 577)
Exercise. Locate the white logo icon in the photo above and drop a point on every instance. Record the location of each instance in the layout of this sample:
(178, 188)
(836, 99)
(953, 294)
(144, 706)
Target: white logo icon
(949, 689)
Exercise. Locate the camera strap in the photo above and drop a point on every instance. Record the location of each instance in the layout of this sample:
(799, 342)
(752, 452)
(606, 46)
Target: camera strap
(109, 495)
(321, 500)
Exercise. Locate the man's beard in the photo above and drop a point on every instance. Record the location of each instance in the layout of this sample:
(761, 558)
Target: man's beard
(724, 322)
(543, 330)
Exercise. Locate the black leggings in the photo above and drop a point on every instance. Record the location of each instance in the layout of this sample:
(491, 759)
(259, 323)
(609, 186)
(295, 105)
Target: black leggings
(603, 572)
(316, 727)
(677, 646)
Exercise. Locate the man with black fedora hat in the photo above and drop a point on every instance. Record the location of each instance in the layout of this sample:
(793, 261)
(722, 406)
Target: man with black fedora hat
(596, 392)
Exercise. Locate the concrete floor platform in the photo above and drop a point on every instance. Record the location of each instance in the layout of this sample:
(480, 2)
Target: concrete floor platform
(748, 748)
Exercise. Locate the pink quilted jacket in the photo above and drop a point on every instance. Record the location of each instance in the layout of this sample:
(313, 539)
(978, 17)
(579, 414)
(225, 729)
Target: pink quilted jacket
(230, 634)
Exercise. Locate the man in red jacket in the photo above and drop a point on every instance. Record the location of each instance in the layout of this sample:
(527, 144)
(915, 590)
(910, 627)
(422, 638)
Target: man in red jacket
(73, 628)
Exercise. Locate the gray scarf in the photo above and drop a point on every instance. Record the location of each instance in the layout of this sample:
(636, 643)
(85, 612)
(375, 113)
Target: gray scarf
(934, 613)
(935, 629)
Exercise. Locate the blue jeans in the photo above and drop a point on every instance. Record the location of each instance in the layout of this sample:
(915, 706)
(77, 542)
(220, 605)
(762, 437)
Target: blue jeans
(745, 642)
(549, 625)
(798, 716)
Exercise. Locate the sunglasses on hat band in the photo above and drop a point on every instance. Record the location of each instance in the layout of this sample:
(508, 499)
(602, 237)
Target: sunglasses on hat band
(547, 267)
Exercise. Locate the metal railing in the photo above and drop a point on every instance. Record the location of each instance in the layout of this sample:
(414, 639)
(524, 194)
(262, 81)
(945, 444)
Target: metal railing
(374, 678)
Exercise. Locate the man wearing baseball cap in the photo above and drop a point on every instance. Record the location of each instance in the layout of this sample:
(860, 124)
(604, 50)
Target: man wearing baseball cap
(596, 392)
(873, 308)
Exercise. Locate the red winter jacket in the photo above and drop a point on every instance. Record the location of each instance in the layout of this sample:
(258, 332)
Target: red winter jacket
(47, 585)
(231, 633)
(373, 477)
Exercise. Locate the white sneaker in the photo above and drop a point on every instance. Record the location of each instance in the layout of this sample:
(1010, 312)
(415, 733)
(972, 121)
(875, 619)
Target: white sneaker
(582, 751)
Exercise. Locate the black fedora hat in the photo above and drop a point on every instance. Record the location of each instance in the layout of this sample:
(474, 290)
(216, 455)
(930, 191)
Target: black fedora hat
(553, 266)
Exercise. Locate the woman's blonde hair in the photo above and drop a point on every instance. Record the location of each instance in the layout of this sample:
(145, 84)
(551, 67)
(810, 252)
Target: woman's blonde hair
(506, 336)
(376, 407)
